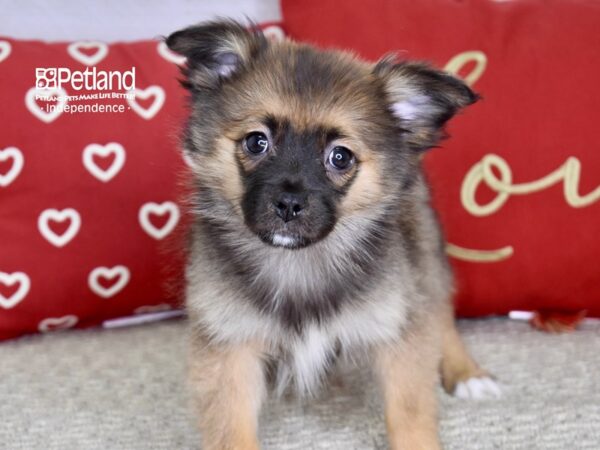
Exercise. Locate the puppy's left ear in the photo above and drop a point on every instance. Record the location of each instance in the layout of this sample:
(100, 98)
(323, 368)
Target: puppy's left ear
(422, 99)
(216, 51)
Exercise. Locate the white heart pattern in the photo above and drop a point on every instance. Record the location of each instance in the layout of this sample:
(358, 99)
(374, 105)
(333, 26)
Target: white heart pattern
(152, 308)
(274, 33)
(5, 50)
(37, 111)
(158, 209)
(17, 165)
(120, 272)
(55, 215)
(170, 56)
(104, 175)
(57, 323)
(74, 50)
(8, 279)
(151, 91)
(188, 160)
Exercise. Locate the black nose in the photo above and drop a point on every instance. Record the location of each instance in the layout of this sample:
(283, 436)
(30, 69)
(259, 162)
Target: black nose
(288, 205)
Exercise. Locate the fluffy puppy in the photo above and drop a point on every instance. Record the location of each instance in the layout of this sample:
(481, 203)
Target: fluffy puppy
(313, 236)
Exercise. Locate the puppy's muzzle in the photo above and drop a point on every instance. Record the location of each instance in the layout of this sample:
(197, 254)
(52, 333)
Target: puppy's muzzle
(289, 205)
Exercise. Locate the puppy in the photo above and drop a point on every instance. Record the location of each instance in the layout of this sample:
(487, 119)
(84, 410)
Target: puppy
(313, 236)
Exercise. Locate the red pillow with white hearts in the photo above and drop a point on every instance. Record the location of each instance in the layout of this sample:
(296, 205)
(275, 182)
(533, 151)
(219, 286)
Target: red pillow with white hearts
(89, 189)
(517, 185)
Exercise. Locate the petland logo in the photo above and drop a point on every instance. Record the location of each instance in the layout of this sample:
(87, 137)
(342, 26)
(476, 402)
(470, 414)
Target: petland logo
(90, 79)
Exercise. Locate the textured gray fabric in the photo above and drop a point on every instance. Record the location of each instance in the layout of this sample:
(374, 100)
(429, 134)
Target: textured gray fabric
(123, 389)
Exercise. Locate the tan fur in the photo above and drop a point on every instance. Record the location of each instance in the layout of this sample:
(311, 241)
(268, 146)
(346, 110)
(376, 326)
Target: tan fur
(228, 389)
(407, 372)
(457, 364)
(223, 166)
(365, 190)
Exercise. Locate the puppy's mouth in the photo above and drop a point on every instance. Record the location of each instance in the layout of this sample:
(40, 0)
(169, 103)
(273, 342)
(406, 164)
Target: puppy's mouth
(284, 239)
(292, 235)
(276, 228)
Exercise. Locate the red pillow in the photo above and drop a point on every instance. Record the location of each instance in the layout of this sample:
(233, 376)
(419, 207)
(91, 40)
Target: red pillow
(517, 185)
(89, 213)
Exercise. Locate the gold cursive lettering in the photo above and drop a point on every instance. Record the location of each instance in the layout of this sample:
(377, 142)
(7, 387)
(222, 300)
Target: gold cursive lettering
(569, 173)
(459, 61)
(481, 256)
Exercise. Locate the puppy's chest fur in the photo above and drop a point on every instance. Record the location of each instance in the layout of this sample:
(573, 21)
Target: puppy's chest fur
(305, 308)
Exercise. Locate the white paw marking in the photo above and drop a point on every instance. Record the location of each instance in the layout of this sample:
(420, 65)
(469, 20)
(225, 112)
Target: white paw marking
(478, 389)
(75, 48)
(104, 151)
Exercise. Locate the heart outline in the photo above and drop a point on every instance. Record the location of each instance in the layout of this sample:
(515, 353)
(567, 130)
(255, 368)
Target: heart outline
(158, 209)
(34, 108)
(103, 150)
(274, 33)
(52, 324)
(109, 273)
(17, 166)
(75, 52)
(147, 309)
(168, 55)
(5, 50)
(17, 297)
(150, 112)
(59, 216)
(188, 160)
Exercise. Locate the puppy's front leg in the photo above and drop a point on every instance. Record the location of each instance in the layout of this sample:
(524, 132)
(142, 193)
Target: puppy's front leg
(407, 372)
(228, 385)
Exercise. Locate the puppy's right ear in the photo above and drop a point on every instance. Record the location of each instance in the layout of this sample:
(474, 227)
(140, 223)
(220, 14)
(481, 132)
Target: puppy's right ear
(216, 51)
(423, 99)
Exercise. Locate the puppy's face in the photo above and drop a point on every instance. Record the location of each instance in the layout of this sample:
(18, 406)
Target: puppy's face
(292, 140)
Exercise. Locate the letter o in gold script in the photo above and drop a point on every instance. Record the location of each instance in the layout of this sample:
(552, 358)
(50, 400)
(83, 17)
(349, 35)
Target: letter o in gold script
(482, 172)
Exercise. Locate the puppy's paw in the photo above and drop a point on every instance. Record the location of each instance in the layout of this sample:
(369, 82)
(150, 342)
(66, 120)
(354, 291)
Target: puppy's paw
(478, 388)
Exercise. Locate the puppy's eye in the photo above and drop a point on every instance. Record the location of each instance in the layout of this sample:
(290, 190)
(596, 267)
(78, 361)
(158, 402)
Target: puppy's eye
(256, 143)
(341, 158)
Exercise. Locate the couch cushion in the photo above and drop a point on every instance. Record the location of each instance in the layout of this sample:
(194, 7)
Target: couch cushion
(517, 185)
(90, 216)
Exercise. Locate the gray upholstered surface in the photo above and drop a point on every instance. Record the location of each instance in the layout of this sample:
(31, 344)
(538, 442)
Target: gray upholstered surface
(123, 389)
